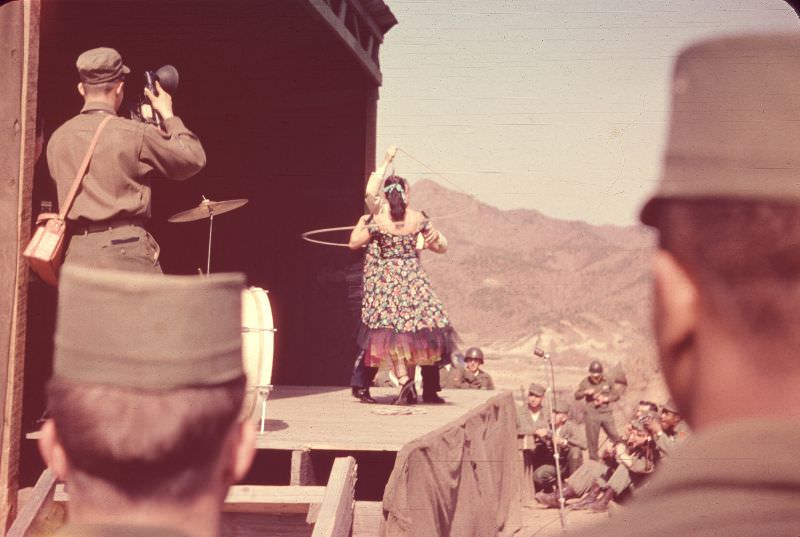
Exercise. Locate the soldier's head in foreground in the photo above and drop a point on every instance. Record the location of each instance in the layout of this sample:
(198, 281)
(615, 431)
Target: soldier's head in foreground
(146, 398)
(727, 211)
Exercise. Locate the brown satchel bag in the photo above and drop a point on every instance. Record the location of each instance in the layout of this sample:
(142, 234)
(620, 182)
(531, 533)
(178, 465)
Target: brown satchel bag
(45, 251)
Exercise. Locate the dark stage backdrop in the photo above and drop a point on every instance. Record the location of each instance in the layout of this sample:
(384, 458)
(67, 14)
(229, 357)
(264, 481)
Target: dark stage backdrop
(287, 117)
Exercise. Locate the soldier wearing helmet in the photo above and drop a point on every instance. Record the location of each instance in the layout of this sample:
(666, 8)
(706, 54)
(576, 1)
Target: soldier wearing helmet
(598, 392)
(473, 376)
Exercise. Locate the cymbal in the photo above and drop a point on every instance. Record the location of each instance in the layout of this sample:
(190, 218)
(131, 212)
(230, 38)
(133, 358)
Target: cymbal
(206, 209)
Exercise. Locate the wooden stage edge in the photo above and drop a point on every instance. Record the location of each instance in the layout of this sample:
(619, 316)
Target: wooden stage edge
(329, 418)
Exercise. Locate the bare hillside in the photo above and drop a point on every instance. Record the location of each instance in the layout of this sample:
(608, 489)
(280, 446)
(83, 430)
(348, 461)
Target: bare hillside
(512, 278)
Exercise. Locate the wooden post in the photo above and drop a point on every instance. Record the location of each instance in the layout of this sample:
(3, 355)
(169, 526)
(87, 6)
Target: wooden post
(336, 513)
(19, 63)
(36, 507)
(302, 471)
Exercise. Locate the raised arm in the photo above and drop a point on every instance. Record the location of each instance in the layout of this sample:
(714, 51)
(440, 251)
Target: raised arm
(176, 152)
(360, 234)
(372, 195)
(435, 241)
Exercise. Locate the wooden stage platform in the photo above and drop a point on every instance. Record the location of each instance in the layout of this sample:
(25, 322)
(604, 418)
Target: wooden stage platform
(329, 418)
(331, 466)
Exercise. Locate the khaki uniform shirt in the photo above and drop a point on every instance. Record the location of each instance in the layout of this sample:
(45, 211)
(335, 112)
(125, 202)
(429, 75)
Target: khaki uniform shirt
(128, 154)
(604, 387)
(574, 435)
(667, 441)
(478, 381)
(740, 479)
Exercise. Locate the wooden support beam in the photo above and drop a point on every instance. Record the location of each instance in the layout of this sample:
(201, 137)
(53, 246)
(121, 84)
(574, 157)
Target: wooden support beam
(366, 18)
(35, 507)
(371, 47)
(367, 518)
(19, 64)
(336, 513)
(302, 471)
(337, 24)
(264, 499)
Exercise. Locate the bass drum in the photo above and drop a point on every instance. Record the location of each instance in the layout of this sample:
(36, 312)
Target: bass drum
(258, 346)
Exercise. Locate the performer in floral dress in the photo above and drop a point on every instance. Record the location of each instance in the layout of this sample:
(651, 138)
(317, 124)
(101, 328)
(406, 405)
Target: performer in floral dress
(403, 321)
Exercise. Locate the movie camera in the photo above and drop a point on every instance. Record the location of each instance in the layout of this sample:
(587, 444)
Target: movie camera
(167, 76)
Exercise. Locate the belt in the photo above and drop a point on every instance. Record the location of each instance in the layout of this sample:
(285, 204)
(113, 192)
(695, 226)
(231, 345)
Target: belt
(81, 228)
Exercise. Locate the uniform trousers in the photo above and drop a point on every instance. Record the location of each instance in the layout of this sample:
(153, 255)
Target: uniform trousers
(594, 421)
(127, 247)
(581, 480)
(544, 476)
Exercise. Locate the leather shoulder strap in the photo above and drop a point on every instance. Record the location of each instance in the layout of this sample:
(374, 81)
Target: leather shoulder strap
(82, 170)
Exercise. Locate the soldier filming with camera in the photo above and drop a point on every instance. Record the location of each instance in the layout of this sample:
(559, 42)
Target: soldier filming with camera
(106, 223)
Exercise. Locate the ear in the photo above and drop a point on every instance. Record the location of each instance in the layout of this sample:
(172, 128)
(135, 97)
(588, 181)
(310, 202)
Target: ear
(52, 452)
(243, 449)
(81, 89)
(118, 89)
(676, 314)
(675, 300)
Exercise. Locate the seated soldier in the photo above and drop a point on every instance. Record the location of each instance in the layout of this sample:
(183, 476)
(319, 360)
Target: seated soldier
(532, 422)
(670, 431)
(473, 376)
(571, 442)
(147, 429)
(625, 467)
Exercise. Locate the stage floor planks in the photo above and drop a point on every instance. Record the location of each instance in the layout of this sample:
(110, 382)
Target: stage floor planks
(329, 418)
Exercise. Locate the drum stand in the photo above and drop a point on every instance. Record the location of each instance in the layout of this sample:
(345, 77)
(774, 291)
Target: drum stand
(262, 393)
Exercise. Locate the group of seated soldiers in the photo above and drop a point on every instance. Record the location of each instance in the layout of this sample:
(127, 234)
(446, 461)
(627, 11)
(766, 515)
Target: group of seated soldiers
(622, 465)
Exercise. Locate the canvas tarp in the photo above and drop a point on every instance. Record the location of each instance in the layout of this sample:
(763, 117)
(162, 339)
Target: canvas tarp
(461, 480)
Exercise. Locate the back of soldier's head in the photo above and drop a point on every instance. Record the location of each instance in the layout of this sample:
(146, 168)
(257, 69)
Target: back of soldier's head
(728, 205)
(148, 379)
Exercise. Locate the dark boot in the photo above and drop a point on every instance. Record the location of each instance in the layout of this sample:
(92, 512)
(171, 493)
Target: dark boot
(432, 398)
(589, 499)
(430, 384)
(601, 504)
(364, 396)
(551, 499)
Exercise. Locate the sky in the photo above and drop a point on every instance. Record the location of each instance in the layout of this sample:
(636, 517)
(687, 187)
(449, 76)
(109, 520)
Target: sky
(555, 105)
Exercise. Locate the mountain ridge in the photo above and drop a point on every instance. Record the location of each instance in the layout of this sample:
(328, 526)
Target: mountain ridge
(513, 278)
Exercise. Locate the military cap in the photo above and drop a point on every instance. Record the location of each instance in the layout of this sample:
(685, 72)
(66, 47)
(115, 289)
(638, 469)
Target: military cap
(595, 367)
(100, 65)
(475, 353)
(670, 406)
(735, 122)
(562, 407)
(148, 331)
(536, 389)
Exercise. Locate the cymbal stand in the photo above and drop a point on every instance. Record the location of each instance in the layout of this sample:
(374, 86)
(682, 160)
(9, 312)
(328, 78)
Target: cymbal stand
(210, 232)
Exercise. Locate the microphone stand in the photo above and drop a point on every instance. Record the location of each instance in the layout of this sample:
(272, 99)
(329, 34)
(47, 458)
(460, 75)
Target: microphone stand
(556, 453)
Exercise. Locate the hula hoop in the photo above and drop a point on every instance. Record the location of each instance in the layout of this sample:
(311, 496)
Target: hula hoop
(308, 235)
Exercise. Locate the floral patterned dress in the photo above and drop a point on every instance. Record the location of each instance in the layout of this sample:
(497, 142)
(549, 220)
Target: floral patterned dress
(403, 321)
